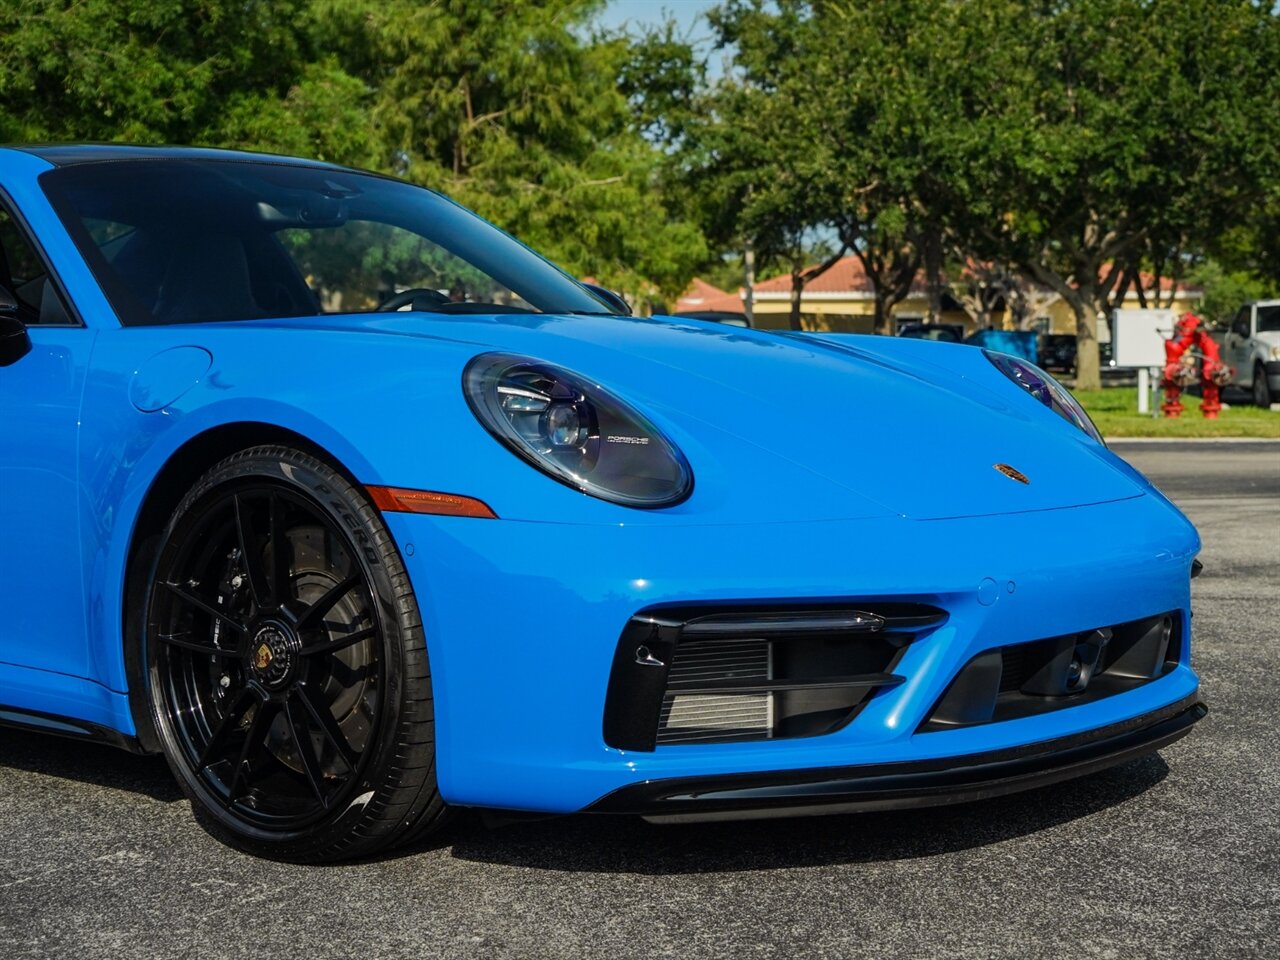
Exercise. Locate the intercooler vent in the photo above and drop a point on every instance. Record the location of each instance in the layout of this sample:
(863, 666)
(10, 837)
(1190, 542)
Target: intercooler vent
(721, 673)
(712, 718)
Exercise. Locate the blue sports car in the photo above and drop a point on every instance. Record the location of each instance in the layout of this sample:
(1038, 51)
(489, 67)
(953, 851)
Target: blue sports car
(357, 510)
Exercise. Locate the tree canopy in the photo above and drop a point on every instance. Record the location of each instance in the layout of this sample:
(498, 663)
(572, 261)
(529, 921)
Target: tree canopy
(1081, 144)
(980, 144)
(513, 108)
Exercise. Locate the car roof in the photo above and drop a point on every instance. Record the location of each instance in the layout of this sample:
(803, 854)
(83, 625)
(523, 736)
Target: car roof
(71, 154)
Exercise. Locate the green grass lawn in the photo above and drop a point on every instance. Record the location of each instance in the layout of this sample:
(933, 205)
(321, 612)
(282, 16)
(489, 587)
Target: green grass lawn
(1115, 411)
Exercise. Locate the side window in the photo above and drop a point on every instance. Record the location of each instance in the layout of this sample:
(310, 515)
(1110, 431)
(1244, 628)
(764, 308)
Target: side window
(1268, 319)
(23, 274)
(1240, 327)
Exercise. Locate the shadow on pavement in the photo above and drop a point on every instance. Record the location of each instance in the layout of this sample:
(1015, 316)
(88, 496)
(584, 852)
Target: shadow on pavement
(629, 845)
(90, 763)
(605, 844)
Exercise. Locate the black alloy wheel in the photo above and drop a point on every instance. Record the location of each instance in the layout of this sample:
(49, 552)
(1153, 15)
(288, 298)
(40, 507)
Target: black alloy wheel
(287, 672)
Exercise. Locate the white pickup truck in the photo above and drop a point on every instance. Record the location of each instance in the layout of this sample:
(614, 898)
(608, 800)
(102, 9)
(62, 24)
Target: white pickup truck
(1252, 345)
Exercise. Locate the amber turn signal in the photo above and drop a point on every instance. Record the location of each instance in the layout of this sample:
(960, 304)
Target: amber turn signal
(398, 500)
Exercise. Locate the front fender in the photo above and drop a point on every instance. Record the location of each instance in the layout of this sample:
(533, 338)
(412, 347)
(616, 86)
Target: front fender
(124, 448)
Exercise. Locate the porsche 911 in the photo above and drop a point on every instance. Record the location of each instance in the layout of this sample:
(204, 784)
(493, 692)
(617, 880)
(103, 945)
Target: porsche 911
(357, 510)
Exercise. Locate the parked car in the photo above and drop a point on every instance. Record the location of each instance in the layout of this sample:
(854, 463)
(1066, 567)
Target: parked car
(1018, 343)
(946, 332)
(729, 318)
(1058, 355)
(1058, 352)
(350, 551)
(1251, 344)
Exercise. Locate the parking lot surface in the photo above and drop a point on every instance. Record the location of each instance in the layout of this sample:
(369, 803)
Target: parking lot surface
(1173, 855)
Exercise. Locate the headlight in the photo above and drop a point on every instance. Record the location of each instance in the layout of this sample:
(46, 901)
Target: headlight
(576, 431)
(1275, 353)
(1045, 389)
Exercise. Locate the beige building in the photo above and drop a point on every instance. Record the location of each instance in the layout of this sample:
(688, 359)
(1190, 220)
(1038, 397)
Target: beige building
(841, 300)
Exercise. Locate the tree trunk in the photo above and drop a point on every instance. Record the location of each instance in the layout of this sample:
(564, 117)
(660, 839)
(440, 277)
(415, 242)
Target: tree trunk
(1087, 306)
(1142, 294)
(933, 273)
(800, 277)
(797, 291)
(882, 317)
(1088, 301)
(891, 277)
(749, 291)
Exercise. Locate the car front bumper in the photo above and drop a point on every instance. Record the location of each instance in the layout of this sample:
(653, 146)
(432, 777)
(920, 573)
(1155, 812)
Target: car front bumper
(906, 785)
(523, 621)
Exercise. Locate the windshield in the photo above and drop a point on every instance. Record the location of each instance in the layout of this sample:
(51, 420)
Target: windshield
(194, 241)
(1269, 319)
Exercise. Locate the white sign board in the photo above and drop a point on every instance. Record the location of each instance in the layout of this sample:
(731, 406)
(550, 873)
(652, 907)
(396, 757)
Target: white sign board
(1138, 336)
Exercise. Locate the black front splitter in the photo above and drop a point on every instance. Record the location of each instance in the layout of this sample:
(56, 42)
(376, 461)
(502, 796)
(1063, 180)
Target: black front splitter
(895, 786)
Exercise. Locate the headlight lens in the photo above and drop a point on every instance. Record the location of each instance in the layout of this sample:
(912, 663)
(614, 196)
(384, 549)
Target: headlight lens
(1045, 389)
(576, 431)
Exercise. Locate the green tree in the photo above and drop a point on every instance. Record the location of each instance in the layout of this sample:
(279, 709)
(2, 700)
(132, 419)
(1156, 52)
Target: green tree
(514, 110)
(1116, 140)
(1082, 143)
(745, 148)
(818, 132)
(174, 71)
(1225, 291)
(881, 85)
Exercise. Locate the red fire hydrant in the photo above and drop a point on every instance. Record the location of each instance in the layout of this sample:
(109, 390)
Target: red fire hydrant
(1179, 365)
(1216, 375)
(1189, 344)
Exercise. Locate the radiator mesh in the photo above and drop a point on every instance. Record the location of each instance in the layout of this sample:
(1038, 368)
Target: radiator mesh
(708, 718)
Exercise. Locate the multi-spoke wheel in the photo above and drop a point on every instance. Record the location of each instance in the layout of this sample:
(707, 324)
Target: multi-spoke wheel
(286, 666)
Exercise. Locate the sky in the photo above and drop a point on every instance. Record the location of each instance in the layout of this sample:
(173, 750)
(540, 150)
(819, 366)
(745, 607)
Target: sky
(639, 14)
(643, 13)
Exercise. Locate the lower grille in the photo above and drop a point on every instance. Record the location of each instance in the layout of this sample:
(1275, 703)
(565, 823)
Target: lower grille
(728, 674)
(1016, 667)
(1027, 679)
(711, 717)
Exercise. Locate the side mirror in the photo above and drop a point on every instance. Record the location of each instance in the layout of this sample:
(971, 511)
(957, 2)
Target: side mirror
(611, 298)
(15, 343)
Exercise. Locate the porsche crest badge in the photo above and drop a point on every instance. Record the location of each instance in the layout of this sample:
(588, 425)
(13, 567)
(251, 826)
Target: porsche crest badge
(1011, 473)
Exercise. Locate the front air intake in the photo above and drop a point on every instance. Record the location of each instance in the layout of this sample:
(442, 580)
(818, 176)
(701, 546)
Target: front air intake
(699, 675)
(713, 717)
(1039, 676)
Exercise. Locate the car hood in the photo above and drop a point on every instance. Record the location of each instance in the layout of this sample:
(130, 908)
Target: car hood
(912, 428)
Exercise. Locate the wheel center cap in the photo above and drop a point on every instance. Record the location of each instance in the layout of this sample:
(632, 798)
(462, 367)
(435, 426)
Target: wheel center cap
(273, 655)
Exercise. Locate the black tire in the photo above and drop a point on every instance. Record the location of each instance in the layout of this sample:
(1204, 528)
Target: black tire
(1261, 389)
(286, 670)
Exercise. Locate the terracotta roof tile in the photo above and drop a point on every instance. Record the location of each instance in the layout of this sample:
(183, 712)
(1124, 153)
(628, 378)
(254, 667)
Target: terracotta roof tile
(703, 296)
(846, 275)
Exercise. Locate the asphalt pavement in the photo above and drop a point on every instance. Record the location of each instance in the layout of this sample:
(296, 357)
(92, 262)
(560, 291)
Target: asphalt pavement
(1173, 855)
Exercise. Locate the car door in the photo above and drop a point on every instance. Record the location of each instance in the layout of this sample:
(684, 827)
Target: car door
(1237, 344)
(1266, 324)
(42, 611)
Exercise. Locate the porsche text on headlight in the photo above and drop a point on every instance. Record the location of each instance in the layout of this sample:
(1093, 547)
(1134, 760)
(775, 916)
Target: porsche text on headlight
(576, 431)
(1045, 389)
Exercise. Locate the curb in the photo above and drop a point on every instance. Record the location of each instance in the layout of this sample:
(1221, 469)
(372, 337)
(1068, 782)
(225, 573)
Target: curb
(1268, 440)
